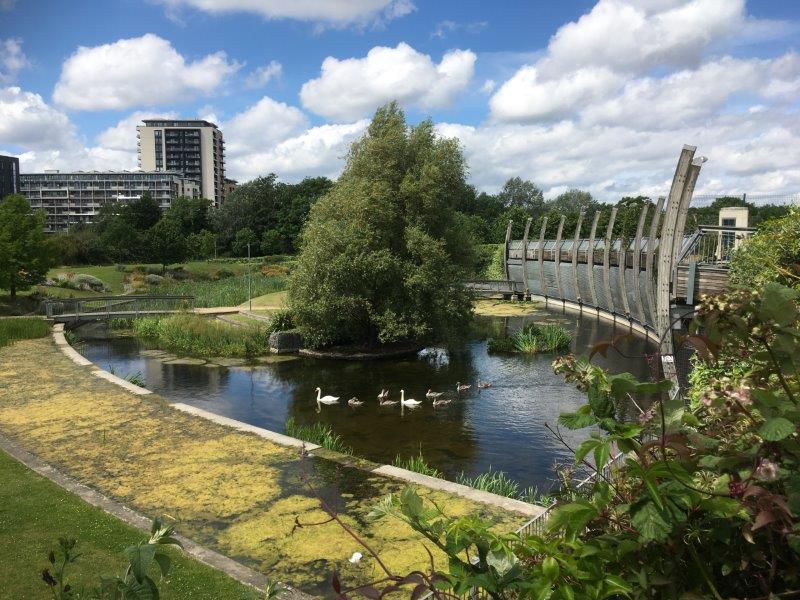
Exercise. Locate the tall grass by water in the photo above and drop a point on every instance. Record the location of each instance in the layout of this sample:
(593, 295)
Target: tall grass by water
(317, 433)
(193, 335)
(418, 464)
(22, 328)
(533, 339)
(231, 291)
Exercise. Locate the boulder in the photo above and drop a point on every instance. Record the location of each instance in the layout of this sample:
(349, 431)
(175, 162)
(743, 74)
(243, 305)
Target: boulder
(153, 279)
(284, 342)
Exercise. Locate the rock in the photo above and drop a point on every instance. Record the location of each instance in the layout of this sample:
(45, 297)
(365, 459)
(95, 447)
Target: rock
(153, 279)
(282, 342)
(89, 282)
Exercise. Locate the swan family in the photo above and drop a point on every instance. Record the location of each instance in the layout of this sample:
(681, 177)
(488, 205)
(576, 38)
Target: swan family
(384, 400)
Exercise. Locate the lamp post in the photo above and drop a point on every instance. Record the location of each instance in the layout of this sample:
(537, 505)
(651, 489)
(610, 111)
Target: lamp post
(249, 278)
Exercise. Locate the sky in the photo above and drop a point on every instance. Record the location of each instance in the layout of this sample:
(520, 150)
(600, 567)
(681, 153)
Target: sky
(598, 95)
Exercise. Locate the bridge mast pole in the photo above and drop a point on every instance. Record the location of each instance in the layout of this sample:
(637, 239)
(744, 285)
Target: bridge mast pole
(590, 257)
(575, 242)
(525, 259)
(540, 258)
(558, 258)
(607, 258)
(637, 258)
(505, 250)
(648, 264)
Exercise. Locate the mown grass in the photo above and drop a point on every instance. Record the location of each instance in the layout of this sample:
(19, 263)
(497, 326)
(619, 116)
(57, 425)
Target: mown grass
(23, 328)
(35, 512)
(533, 339)
(224, 292)
(318, 433)
(193, 335)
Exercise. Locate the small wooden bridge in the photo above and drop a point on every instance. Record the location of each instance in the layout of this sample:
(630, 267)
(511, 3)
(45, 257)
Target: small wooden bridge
(78, 310)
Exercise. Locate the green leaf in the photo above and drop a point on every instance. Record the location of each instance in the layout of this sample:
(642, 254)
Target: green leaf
(140, 558)
(650, 523)
(601, 455)
(581, 418)
(600, 402)
(163, 562)
(586, 447)
(550, 568)
(776, 429)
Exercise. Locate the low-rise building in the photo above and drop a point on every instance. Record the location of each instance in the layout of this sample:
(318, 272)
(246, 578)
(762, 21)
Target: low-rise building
(9, 175)
(77, 197)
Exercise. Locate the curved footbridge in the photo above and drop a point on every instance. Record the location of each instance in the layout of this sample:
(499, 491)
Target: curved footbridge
(80, 310)
(645, 283)
(235, 490)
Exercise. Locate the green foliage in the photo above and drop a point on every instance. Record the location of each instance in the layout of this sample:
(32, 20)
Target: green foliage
(191, 214)
(192, 335)
(417, 463)
(22, 328)
(490, 258)
(228, 290)
(281, 320)
(384, 254)
(137, 583)
(523, 194)
(771, 254)
(166, 242)
(200, 245)
(142, 213)
(494, 482)
(317, 433)
(706, 499)
(244, 237)
(533, 339)
(25, 253)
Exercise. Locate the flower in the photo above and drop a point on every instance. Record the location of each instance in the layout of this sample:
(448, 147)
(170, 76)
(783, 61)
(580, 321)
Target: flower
(356, 557)
(767, 470)
(646, 416)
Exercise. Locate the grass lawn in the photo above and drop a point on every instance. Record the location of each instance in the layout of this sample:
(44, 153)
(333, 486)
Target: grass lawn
(267, 301)
(35, 512)
(23, 328)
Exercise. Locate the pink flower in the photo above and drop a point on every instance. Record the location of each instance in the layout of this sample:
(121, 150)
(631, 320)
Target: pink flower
(767, 470)
(742, 396)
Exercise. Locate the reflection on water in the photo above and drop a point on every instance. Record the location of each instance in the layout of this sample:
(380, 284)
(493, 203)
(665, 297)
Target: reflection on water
(501, 427)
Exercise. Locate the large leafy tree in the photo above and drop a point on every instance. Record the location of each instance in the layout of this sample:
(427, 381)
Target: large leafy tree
(384, 252)
(25, 253)
(519, 192)
(142, 213)
(166, 243)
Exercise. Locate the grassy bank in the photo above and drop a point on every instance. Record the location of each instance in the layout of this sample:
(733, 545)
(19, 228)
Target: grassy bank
(23, 328)
(192, 335)
(36, 512)
(224, 292)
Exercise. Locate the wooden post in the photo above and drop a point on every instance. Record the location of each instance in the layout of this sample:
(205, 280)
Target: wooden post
(637, 251)
(607, 258)
(527, 292)
(680, 225)
(622, 266)
(648, 264)
(540, 259)
(505, 253)
(575, 243)
(558, 258)
(590, 257)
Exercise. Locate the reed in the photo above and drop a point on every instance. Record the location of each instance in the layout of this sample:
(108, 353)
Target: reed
(317, 433)
(231, 291)
(533, 339)
(23, 328)
(418, 464)
(193, 335)
(494, 482)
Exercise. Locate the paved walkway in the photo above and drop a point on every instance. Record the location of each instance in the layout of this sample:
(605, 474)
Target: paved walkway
(231, 490)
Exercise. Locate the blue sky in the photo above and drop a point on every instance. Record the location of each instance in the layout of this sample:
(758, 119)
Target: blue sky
(593, 94)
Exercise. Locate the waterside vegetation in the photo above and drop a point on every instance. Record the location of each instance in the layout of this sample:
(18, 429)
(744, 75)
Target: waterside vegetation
(533, 339)
(22, 328)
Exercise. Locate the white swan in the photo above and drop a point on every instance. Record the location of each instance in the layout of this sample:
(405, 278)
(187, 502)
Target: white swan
(462, 388)
(326, 399)
(410, 402)
(433, 395)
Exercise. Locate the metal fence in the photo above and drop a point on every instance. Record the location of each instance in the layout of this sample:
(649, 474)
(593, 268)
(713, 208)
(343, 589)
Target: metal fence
(114, 306)
(702, 200)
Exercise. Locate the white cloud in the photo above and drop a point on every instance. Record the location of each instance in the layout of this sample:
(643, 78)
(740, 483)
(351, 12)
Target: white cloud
(335, 13)
(316, 151)
(352, 88)
(261, 125)
(26, 120)
(122, 136)
(143, 71)
(263, 75)
(444, 28)
(12, 59)
(488, 86)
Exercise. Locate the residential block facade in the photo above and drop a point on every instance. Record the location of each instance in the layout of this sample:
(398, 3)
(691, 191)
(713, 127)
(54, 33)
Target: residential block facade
(72, 198)
(9, 175)
(194, 148)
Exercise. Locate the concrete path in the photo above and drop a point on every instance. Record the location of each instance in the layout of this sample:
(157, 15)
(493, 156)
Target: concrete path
(233, 491)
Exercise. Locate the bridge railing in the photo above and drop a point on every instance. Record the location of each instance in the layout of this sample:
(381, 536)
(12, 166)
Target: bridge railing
(111, 306)
(712, 244)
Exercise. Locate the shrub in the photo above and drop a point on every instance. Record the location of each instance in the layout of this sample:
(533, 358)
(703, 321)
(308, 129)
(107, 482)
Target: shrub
(771, 254)
(153, 279)
(224, 274)
(281, 320)
(533, 339)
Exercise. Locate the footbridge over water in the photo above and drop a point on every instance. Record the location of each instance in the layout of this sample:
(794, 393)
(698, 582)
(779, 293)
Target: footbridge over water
(643, 282)
(81, 310)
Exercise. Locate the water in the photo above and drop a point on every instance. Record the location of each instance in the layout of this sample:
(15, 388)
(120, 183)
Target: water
(502, 427)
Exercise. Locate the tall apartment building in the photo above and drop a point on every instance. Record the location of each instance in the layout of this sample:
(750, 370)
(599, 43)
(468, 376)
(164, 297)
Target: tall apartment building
(72, 198)
(9, 175)
(192, 147)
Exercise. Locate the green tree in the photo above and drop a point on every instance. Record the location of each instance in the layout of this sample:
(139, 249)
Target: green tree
(142, 213)
(190, 213)
(25, 253)
(120, 241)
(244, 237)
(384, 253)
(166, 243)
(522, 193)
(201, 244)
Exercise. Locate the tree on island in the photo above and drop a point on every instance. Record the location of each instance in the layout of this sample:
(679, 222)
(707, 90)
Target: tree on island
(384, 253)
(25, 253)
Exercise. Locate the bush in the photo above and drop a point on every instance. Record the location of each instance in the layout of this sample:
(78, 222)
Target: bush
(224, 273)
(533, 339)
(771, 254)
(83, 281)
(153, 279)
(281, 320)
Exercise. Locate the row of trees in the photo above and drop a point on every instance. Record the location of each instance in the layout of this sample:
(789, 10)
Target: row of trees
(264, 213)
